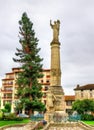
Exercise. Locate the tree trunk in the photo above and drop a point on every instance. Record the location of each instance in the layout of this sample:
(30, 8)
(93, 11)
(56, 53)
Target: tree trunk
(30, 112)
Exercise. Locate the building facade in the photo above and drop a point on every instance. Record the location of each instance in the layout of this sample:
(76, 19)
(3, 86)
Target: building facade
(45, 81)
(84, 92)
(69, 99)
(9, 87)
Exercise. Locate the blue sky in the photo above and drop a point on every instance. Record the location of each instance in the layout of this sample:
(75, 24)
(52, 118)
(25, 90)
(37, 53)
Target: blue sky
(76, 36)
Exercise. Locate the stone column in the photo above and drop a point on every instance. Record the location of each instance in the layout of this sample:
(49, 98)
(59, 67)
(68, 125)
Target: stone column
(55, 64)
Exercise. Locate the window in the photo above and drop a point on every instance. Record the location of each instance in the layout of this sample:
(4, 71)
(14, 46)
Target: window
(45, 102)
(69, 111)
(41, 81)
(4, 102)
(44, 95)
(46, 88)
(68, 103)
(81, 93)
(47, 81)
(91, 93)
(11, 76)
(9, 88)
(48, 76)
(9, 102)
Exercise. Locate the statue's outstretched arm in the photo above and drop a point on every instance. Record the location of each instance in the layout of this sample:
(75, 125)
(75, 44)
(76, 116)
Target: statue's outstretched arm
(51, 23)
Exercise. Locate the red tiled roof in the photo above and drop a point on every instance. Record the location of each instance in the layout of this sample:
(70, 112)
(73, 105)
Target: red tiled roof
(69, 97)
(85, 87)
(9, 73)
(46, 69)
(7, 79)
(16, 68)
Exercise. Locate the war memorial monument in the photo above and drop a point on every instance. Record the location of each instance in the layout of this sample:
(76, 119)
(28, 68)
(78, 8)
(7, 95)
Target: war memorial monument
(55, 96)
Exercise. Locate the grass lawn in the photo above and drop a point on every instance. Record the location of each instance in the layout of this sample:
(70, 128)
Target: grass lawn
(5, 123)
(89, 122)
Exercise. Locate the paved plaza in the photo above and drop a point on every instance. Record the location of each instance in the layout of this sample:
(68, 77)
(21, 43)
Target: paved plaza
(15, 128)
(65, 128)
(29, 126)
(71, 126)
(51, 128)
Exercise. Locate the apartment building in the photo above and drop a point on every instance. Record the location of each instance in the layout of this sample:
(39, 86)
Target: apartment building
(84, 92)
(9, 87)
(45, 81)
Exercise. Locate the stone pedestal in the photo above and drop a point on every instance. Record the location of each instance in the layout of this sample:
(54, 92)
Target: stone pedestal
(58, 106)
(59, 97)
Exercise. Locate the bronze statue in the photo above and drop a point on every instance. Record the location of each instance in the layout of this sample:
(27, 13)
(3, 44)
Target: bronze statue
(55, 28)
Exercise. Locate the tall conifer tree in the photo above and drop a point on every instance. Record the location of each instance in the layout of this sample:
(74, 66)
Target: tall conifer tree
(29, 90)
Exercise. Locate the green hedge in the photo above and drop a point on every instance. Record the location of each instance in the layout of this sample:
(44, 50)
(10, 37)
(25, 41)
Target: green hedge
(87, 117)
(11, 117)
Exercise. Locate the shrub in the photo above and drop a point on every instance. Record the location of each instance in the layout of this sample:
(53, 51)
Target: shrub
(8, 107)
(18, 118)
(9, 116)
(1, 114)
(87, 117)
(4, 110)
(12, 117)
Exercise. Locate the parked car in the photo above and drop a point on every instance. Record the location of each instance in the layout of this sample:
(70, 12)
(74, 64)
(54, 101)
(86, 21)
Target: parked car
(23, 115)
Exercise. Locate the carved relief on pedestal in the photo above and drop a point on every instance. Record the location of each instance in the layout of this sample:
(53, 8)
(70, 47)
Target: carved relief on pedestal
(50, 101)
(58, 103)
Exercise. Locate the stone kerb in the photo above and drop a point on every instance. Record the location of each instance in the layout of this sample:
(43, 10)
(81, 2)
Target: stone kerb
(85, 126)
(9, 126)
(68, 124)
(28, 126)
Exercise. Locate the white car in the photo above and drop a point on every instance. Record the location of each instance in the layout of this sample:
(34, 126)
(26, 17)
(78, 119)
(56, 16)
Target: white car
(23, 115)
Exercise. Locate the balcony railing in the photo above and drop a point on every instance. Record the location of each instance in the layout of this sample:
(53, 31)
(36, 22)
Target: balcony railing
(15, 97)
(7, 98)
(44, 96)
(7, 84)
(6, 91)
(48, 83)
